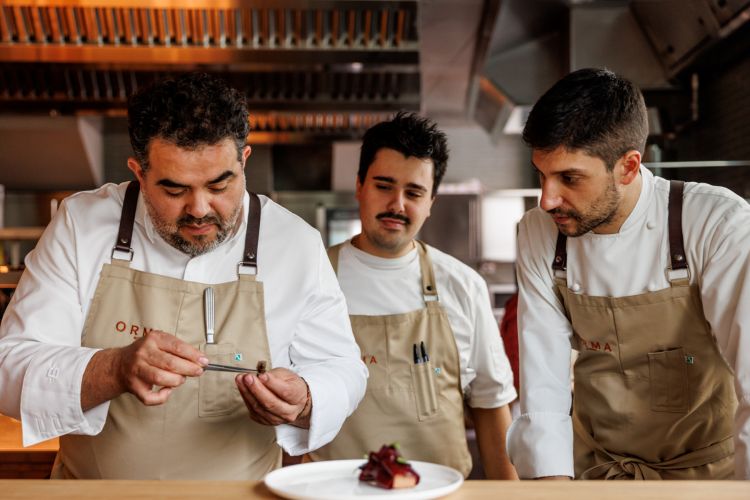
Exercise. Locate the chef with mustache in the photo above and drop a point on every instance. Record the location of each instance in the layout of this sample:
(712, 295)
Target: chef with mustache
(422, 318)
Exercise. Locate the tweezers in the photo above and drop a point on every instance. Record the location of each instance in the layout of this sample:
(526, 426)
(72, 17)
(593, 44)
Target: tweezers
(236, 369)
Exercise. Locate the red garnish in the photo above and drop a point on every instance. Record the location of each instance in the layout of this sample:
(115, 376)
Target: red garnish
(388, 469)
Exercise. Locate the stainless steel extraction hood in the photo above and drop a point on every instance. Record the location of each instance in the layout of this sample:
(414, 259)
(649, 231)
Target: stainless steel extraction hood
(330, 67)
(651, 42)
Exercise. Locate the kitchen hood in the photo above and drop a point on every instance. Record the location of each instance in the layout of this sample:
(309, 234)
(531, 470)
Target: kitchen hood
(327, 67)
(652, 43)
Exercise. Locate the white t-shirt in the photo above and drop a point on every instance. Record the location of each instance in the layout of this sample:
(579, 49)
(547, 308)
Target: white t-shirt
(41, 358)
(376, 286)
(716, 230)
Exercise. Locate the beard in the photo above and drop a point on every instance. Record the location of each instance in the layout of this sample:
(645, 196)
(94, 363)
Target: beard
(602, 211)
(200, 244)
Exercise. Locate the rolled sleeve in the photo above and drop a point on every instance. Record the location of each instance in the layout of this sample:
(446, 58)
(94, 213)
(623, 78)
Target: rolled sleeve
(51, 396)
(41, 359)
(540, 445)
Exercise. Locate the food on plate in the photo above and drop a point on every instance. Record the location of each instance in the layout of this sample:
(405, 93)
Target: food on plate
(388, 469)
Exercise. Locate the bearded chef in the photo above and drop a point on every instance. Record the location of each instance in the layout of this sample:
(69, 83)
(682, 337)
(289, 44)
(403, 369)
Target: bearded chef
(422, 318)
(107, 341)
(649, 281)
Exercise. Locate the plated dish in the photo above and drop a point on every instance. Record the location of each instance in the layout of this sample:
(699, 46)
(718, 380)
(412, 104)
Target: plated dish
(339, 480)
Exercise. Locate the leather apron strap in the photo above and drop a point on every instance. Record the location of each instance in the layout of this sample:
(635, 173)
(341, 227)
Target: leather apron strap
(127, 222)
(677, 256)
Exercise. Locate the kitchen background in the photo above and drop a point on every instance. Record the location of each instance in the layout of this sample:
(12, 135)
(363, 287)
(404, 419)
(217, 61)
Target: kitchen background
(318, 73)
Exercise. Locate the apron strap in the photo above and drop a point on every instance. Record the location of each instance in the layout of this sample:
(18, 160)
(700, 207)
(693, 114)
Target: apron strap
(624, 467)
(123, 249)
(678, 268)
(429, 288)
(249, 262)
(333, 255)
(560, 261)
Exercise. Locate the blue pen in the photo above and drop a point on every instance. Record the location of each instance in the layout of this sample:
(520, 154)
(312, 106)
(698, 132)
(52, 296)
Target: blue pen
(417, 359)
(425, 357)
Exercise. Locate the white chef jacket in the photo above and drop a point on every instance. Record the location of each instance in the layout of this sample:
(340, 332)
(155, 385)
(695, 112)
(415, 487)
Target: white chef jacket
(716, 227)
(376, 286)
(41, 358)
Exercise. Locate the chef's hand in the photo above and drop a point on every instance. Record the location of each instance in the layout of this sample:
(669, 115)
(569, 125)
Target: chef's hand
(276, 397)
(156, 359)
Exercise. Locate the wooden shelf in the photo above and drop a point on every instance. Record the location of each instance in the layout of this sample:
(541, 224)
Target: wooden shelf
(21, 233)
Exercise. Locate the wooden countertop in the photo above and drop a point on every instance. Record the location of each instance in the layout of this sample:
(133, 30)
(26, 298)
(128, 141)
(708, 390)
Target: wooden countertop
(471, 490)
(10, 438)
(10, 441)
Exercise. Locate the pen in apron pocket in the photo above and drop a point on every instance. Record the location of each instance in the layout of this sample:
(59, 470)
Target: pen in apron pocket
(417, 358)
(425, 357)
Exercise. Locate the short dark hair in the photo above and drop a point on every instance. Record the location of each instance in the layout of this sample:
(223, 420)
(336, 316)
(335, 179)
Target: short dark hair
(192, 110)
(593, 110)
(410, 135)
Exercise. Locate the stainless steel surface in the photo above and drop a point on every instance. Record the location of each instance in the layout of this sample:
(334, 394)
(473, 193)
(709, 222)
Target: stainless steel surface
(680, 30)
(609, 35)
(460, 213)
(322, 64)
(208, 308)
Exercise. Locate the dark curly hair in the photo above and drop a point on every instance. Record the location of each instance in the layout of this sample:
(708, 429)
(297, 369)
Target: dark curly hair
(192, 110)
(593, 110)
(410, 135)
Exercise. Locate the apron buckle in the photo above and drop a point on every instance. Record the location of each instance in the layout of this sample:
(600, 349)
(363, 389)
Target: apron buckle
(678, 274)
(123, 253)
(247, 268)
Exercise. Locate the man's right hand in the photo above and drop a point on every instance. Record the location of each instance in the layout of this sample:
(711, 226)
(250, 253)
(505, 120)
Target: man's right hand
(156, 359)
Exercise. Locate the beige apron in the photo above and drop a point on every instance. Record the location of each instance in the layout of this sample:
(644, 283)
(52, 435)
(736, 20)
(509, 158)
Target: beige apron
(418, 405)
(653, 397)
(203, 431)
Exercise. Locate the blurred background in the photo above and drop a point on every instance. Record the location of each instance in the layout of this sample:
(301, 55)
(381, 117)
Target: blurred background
(319, 73)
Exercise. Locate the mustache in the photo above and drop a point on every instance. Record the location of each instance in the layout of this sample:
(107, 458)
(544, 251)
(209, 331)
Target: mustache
(188, 220)
(391, 215)
(564, 213)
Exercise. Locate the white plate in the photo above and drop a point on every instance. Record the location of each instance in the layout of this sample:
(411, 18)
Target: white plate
(339, 480)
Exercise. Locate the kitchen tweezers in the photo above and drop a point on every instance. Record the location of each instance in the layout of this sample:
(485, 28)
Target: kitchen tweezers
(261, 368)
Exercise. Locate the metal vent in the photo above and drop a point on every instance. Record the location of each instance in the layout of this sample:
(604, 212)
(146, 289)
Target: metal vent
(340, 60)
(26, 86)
(30, 26)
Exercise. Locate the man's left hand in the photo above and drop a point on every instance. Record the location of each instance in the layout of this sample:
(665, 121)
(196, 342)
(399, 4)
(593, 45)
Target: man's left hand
(276, 397)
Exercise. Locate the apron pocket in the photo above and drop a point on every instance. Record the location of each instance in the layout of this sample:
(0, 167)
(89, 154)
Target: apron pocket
(425, 393)
(217, 392)
(669, 381)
